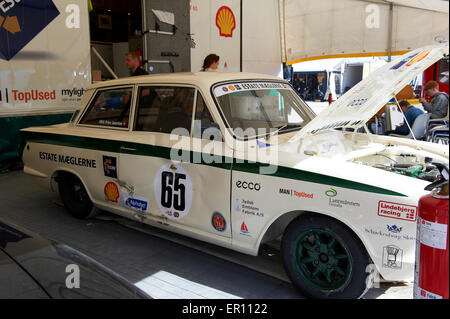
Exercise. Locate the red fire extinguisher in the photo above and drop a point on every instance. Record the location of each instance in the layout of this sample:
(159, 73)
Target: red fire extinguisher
(432, 258)
(330, 99)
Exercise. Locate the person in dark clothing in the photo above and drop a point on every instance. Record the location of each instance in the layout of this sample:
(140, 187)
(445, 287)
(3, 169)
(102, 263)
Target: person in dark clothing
(133, 64)
(438, 107)
(411, 113)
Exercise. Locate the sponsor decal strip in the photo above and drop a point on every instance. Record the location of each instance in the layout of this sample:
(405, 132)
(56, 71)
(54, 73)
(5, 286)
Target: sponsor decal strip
(227, 163)
(397, 211)
(248, 86)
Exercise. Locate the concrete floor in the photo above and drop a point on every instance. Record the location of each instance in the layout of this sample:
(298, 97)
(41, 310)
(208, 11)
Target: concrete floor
(162, 264)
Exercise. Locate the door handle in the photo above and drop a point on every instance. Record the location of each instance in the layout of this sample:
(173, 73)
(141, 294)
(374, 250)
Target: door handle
(130, 149)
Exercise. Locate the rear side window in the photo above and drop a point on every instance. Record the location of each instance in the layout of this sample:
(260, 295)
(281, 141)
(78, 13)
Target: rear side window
(109, 108)
(163, 109)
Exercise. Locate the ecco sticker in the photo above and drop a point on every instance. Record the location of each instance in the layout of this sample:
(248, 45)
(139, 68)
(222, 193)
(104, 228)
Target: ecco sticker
(218, 222)
(110, 166)
(111, 192)
(397, 211)
(173, 191)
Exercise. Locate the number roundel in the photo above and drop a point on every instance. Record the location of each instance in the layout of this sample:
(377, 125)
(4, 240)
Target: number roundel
(173, 191)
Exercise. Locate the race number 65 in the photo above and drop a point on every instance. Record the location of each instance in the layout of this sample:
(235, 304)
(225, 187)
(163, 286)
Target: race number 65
(173, 191)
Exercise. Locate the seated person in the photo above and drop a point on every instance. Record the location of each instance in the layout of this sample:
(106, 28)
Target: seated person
(438, 107)
(406, 93)
(411, 113)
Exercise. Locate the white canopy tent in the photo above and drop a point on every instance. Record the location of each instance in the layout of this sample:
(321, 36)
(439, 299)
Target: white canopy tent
(312, 29)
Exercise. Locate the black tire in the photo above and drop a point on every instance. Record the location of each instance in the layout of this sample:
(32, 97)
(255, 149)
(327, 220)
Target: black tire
(317, 270)
(75, 197)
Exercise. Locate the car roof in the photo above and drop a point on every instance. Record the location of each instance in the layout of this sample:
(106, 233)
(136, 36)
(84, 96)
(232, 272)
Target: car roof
(199, 78)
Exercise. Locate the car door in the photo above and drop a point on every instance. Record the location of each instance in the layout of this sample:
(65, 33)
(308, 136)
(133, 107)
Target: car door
(106, 121)
(164, 173)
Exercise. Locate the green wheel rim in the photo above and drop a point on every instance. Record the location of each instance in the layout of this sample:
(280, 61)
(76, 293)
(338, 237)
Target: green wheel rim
(322, 259)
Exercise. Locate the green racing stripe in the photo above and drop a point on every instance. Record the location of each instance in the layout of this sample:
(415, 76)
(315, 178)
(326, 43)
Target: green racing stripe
(224, 162)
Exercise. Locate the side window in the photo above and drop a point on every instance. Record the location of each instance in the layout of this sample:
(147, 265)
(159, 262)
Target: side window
(163, 109)
(204, 125)
(109, 108)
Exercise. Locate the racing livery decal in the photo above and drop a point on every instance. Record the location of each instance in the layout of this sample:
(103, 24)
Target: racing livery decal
(111, 192)
(392, 257)
(244, 229)
(339, 203)
(397, 211)
(135, 203)
(21, 21)
(110, 166)
(218, 222)
(173, 191)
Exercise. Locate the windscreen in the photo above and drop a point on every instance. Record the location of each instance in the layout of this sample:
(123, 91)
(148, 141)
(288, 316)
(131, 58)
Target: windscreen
(261, 107)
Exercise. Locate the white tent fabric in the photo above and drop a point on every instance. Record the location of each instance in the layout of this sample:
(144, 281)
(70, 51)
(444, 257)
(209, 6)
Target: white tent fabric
(314, 29)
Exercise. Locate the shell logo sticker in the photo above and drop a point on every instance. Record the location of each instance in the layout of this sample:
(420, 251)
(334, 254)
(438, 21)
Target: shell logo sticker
(111, 192)
(225, 21)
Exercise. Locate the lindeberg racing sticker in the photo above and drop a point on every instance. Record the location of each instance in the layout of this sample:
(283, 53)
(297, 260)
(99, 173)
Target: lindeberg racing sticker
(397, 211)
(248, 86)
(173, 191)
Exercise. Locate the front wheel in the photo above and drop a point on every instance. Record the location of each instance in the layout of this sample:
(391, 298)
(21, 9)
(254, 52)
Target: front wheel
(323, 258)
(75, 197)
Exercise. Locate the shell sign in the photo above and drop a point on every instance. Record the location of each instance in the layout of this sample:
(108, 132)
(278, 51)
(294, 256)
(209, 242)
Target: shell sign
(225, 21)
(111, 192)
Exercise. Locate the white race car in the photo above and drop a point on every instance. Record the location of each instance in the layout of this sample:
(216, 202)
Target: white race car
(238, 160)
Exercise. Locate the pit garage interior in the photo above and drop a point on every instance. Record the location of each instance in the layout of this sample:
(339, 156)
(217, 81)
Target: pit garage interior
(288, 39)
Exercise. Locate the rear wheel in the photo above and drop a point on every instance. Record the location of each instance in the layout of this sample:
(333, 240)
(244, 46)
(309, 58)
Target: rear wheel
(323, 258)
(75, 197)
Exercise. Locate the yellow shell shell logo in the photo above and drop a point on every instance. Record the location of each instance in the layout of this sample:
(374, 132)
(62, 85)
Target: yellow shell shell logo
(111, 192)
(225, 21)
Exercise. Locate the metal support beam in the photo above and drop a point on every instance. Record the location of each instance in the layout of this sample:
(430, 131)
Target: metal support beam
(104, 62)
(144, 37)
(390, 30)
